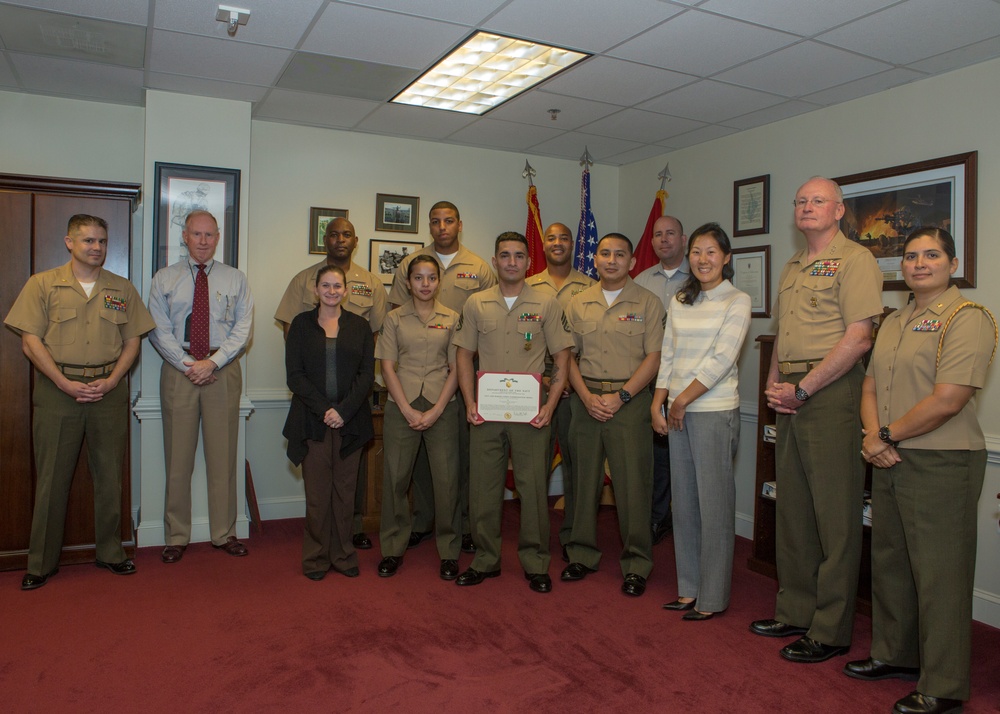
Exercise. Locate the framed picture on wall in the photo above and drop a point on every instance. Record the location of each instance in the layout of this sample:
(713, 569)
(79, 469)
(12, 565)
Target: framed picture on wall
(386, 255)
(752, 275)
(182, 188)
(396, 213)
(752, 206)
(319, 218)
(882, 207)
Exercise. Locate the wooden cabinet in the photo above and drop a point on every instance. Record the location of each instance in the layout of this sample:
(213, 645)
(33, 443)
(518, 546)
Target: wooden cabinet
(762, 554)
(33, 216)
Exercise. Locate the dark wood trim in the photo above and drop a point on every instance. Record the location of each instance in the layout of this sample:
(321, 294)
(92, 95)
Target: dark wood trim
(73, 187)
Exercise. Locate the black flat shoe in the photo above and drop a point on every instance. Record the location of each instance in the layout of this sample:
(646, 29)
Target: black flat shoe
(809, 651)
(33, 582)
(695, 616)
(126, 567)
(634, 585)
(773, 628)
(361, 541)
(350, 572)
(449, 569)
(661, 530)
(474, 577)
(574, 572)
(418, 537)
(467, 545)
(679, 606)
(388, 566)
(539, 582)
(872, 670)
(917, 703)
(316, 575)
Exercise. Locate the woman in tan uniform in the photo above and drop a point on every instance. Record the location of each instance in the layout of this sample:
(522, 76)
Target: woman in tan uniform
(923, 438)
(418, 365)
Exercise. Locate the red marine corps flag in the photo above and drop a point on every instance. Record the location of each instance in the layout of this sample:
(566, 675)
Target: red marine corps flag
(533, 231)
(644, 254)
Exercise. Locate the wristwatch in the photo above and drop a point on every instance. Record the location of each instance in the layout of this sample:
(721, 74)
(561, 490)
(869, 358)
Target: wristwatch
(801, 394)
(886, 436)
(624, 395)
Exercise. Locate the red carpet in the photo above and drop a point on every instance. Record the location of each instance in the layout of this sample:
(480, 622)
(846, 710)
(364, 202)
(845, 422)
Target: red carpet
(220, 634)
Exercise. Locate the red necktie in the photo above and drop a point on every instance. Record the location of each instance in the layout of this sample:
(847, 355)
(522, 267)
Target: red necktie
(199, 316)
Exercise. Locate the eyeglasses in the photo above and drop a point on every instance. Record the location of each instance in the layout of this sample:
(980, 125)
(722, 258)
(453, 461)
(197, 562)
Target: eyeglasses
(816, 202)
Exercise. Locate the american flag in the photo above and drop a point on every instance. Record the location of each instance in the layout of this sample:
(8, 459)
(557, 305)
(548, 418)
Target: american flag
(586, 233)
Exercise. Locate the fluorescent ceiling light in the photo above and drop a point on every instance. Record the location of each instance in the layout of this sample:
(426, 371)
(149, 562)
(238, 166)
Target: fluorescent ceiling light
(486, 71)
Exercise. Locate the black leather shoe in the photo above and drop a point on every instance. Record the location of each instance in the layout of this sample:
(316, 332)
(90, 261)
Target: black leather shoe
(917, 703)
(33, 582)
(388, 566)
(574, 572)
(316, 575)
(449, 569)
(773, 628)
(679, 606)
(172, 553)
(539, 582)
(809, 651)
(695, 616)
(474, 577)
(126, 567)
(634, 585)
(872, 669)
(418, 537)
(467, 545)
(661, 529)
(350, 572)
(361, 541)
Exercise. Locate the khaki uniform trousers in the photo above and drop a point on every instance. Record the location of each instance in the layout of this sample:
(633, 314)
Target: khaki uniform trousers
(527, 446)
(924, 563)
(423, 481)
(59, 426)
(821, 479)
(561, 419)
(626, 440)
(402, 444)
(216, 407)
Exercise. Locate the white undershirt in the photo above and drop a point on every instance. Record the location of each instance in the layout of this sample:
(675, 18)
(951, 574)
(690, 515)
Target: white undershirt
(510, 301)
(446, 259)
(88, 287)
(611, 295)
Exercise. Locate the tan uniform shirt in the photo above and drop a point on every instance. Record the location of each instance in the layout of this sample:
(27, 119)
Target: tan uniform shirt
(818, 300)
(466, 275)
(365, 295)
(613, 341)
(422, 350)
(514, 340)
(75, 329)
(575, 283)
(903, 367)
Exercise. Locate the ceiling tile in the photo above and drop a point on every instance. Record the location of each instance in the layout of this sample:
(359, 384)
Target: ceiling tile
(275, 24)
(680, 44)
(710, 101)
(916, 29)
(532, 108)
(212, 58)
(793, 16)
(802, 69)
(63, 77)
(637, 125)
(604, 79)
(403, 120)
(313, 109)
(205, 87)
(384, 37)
(7, 78)
(84, 39)
(700, 136)
(345, 77)
(771, 114)
(640, 154)
(502, 134)
(135, 12)
(572, 144)
(466, 12)
(864, 87)
(606, 23)
(962, 57)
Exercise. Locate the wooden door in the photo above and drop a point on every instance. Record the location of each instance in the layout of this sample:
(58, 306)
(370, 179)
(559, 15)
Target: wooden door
(33, 216)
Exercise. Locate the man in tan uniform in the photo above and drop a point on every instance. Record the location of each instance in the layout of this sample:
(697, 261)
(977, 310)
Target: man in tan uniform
(80, 326)
(827, 296)
(562, 281)
(365, 297)
(512, 326)
(463, 274)
(617, 330)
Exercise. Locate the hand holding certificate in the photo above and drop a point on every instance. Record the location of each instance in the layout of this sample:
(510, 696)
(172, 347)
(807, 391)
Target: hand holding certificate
(508, 396)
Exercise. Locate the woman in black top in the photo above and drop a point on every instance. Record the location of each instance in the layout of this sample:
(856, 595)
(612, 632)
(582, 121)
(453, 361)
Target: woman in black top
(330, 367)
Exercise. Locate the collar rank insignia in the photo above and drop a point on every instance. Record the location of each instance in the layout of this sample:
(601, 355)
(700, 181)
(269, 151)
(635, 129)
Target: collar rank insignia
(115, 303)
(825, 268)
(927, 326)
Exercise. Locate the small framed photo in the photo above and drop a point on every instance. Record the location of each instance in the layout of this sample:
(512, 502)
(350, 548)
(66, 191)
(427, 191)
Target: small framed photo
(752, 275)
(386, 255)
(182, 188)
(752, 206)
(396, 213)
(319, 218)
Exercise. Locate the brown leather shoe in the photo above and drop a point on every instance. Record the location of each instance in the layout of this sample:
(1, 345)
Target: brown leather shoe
(232, 547)
(172, 553)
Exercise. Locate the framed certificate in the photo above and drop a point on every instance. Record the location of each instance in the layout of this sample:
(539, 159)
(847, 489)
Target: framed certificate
(508, 396)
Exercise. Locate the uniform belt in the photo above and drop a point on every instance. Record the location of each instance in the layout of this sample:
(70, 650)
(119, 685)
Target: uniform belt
(798, 366)
(606, 386)
(83, 370)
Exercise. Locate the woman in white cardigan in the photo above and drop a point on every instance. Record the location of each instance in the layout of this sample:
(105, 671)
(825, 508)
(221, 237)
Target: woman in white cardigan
(696, 403)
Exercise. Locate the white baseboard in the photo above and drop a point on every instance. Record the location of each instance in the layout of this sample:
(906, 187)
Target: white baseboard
(152, 534)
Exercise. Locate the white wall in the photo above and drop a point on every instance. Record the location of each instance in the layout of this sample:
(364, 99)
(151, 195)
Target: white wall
(944, 115)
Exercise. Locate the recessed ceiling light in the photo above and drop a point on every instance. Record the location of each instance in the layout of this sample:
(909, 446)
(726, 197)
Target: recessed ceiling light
(484, 72)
